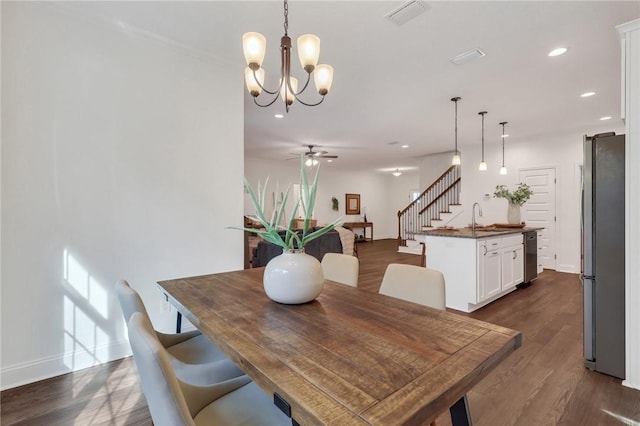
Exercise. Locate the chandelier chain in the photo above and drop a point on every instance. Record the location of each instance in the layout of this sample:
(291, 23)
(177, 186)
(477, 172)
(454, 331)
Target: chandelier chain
(286, 17)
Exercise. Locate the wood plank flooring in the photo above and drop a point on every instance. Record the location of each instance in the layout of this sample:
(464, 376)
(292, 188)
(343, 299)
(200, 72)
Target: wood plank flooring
(542, 383)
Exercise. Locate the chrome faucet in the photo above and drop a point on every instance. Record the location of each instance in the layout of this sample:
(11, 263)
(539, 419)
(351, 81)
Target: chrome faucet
(473, 215)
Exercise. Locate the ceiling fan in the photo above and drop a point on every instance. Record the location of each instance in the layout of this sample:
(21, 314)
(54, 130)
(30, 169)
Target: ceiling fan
(312, 156)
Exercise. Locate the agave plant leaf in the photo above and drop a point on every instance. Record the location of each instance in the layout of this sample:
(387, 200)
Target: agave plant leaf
(255, 201)
(320, 232)
(272, 230)
(271, 236)
(283, 205)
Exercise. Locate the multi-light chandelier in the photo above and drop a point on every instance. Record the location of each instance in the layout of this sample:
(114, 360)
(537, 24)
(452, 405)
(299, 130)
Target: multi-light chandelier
(455, 161)
(308, 46)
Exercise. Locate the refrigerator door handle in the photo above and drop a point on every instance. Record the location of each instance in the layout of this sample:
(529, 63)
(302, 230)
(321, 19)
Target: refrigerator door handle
(589, 319)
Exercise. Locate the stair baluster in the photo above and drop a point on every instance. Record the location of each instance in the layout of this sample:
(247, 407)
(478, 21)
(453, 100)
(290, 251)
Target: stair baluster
(436, 199)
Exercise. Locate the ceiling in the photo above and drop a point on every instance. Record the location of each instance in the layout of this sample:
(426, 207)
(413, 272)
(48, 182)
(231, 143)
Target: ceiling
(393, 84)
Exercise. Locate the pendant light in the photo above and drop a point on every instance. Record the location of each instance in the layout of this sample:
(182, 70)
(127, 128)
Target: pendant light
(483, 166)
(455, 161)
(503, 169)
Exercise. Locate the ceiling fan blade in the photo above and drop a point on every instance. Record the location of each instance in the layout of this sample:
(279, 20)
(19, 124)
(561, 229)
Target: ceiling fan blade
(327, 156)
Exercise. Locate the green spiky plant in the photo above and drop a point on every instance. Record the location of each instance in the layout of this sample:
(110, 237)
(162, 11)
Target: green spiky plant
(291, 239)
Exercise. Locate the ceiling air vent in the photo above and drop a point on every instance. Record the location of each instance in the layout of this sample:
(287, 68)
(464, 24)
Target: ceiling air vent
(406, 12)
(467, 56)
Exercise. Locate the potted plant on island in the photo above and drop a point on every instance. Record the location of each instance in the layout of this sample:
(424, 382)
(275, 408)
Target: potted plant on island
(292, 277)
(516, 199)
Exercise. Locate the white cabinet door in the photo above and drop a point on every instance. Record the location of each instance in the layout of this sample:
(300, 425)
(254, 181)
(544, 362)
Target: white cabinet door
(488, 271)
(518, 265)
(507, 268)
(512, 266)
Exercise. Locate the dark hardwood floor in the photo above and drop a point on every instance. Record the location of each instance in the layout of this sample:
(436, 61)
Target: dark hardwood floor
(542, 383)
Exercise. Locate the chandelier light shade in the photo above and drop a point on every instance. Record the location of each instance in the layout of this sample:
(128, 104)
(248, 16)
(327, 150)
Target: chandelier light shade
(397, 173)
(455, 161)
(254, 81)
(482, 166)
(308, 47)
(503, 169)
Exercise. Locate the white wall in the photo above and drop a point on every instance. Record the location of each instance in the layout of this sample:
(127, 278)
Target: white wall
(122, 157)
(432, 167)
(381, 194)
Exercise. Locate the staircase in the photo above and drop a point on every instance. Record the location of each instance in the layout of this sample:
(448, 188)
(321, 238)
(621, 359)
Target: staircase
(435, 207)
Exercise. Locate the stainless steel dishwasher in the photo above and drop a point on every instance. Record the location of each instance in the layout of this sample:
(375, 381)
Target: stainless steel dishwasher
(530, 257)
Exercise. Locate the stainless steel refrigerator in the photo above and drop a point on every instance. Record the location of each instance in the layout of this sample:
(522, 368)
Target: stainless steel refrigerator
(603, 237)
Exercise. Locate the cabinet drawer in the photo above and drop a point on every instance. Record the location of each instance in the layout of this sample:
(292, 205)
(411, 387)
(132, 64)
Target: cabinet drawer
(497, 243)
(511, 240)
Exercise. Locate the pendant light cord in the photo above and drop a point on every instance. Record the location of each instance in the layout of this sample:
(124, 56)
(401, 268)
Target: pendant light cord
(456, 124)
(455, 100)
(482, 113)
(503, 123)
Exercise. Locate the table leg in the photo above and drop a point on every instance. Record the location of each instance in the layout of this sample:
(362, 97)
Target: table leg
(459, 411)
(179, 323)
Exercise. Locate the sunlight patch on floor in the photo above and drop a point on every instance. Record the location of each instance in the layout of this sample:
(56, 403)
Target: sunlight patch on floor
(624, 420)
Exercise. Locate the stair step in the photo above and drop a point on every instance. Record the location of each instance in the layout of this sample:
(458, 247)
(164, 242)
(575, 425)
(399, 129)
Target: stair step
(412, 243)
(410, 250)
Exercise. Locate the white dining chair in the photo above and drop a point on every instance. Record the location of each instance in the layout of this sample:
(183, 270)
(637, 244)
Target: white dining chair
(233, 402)
(194, 357)
(414, 284)
(341, 268)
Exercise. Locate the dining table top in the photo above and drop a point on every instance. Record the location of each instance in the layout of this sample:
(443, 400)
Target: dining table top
(350, 356)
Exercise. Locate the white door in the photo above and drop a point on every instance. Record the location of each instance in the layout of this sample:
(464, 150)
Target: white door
(540, 211)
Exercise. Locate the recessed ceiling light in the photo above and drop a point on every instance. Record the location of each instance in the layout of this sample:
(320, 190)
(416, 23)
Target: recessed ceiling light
(587, 94)
(329, 161)
(278, 116)
(557, 52)
(506, 136)
(404, 146)
(605, 118)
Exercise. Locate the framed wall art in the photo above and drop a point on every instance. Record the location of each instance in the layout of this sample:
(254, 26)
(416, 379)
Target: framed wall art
(352, 204)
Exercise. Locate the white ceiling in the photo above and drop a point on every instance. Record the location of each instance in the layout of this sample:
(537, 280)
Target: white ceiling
(393, 83)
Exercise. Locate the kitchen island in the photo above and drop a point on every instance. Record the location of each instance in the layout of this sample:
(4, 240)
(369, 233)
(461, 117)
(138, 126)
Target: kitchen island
(479, 265)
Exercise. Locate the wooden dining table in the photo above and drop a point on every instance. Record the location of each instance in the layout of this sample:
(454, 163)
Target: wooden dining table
(350, 357)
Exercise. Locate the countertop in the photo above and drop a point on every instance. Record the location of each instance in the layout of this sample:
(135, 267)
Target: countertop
(480, 232)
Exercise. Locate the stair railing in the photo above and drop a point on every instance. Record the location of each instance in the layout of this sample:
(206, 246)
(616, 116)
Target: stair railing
(436, 199)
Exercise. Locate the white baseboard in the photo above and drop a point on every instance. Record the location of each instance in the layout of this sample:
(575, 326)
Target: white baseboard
(571, 269)
(45, 368)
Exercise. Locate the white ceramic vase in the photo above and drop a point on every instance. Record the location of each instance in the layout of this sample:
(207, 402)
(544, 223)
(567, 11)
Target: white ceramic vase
(293, 277)
(513, 214)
